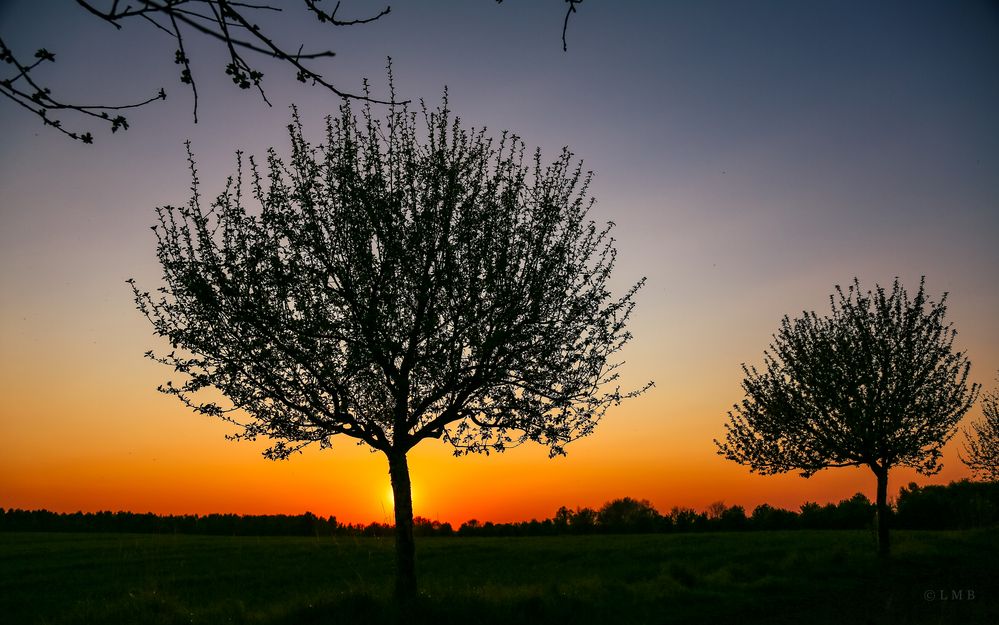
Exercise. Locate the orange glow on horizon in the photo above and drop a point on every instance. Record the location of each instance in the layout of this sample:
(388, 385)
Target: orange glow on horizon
(210, 475)
(108, 441)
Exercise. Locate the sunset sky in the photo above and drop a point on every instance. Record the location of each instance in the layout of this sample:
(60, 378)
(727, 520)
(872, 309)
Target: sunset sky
(753, 155)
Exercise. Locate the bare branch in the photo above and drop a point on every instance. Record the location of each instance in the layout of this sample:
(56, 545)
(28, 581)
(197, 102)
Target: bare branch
(38, 99)
(214, 20)
(565, 24)
(108, 17)
(331, 17)
(223, 21)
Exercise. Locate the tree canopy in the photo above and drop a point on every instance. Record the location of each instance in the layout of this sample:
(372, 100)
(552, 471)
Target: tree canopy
(393, 289)
(877, 383)
(981, 447)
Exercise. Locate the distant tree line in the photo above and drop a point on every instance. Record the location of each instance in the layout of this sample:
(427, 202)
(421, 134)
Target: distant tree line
(958, 505)
(148, 523)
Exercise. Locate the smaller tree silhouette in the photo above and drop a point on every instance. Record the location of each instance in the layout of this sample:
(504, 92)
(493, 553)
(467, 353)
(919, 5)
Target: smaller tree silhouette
(981, 447)
(877, 384)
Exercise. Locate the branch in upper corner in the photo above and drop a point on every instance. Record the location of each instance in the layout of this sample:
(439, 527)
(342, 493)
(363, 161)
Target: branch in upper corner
(229, 22)
(225, 21)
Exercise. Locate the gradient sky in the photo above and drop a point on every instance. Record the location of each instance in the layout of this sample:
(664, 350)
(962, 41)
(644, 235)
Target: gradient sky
(753, 155)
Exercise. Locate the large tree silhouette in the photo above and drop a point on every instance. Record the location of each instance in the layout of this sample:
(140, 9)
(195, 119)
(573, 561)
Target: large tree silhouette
(981, 447)
(393, 289)
(877, 383)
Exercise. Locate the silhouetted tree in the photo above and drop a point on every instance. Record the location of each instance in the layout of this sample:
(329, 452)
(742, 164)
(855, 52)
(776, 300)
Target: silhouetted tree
(234, 26)
(394, 290)
(857, 512)
(562, 519)
(685, 519)
(813, 516)
(628, 515)
(877, 384)
(958, 505)
(733, 518)
(981, 446)
(715, 510)
(584, 521)
(767, 517)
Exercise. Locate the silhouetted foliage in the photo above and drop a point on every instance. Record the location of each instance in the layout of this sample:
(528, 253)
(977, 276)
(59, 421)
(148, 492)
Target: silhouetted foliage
(628, 515)
(767, 517)
(958, 505)
(858, 512)
(715, 509)
(686, 519)
(391, 290)
(855, 513)
(584, 521)
(981, 446)
(235, 26)
(877, 384)
(733, 519)
(578, 521)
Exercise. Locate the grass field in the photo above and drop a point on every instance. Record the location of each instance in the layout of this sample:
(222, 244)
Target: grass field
(811, 577)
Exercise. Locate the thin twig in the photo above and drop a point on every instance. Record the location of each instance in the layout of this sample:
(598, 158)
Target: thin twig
(565, 24)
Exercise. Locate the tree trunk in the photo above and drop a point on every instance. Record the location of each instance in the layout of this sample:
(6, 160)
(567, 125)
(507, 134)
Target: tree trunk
(405, 548)
(883, 511)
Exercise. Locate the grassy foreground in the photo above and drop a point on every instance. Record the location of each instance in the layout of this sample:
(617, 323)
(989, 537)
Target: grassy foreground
(811, 577)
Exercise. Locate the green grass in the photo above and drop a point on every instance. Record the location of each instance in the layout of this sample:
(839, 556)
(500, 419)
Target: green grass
(768, 577)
